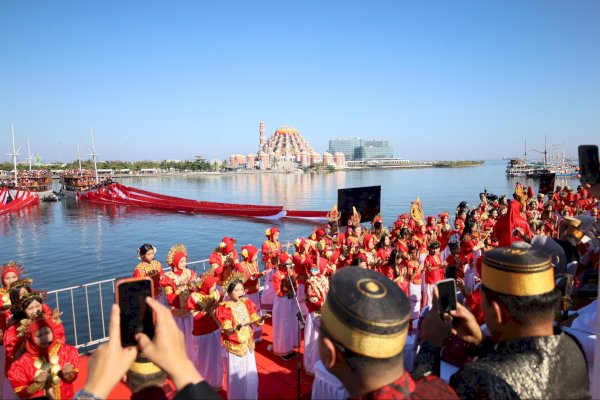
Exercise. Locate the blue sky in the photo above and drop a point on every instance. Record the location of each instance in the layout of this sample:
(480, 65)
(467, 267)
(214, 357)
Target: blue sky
(172, 80)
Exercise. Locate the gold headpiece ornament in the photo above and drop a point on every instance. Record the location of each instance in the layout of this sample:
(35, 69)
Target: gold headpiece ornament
(236, 275)
(21, 282)
(355, 218)
(334, 215)
(11, 264)
(174, 249)
(268, 232)
(415, 210)
(25, 324)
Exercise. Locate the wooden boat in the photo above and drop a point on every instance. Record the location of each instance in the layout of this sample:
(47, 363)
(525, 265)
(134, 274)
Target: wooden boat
(76, 181)
(38, 182)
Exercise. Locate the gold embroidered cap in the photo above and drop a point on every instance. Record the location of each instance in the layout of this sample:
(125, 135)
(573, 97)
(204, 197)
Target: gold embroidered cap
(143, 366)
(366, 312)
(517, 271)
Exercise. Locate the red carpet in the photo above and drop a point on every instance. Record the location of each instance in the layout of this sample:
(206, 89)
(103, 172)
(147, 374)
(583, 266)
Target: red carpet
(277, 378)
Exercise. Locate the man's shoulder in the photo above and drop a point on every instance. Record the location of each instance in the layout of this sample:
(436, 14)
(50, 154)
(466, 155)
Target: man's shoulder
(432, 387)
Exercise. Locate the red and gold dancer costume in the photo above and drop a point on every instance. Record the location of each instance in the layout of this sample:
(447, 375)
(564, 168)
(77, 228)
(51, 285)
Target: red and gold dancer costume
(202, 305)
(59, 361)
(249, 267)
(414, 271)
(316, 289)
(152, 269)
(178, 285)
(434, 272)
(285, 323)
(237, 335)
(271, 249)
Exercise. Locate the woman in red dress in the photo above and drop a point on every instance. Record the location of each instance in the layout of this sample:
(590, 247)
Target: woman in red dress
(271, 249)
(202, 304)
(151, 268)
(236, 317)
(178, 284)
(48, 367)
(249, 267)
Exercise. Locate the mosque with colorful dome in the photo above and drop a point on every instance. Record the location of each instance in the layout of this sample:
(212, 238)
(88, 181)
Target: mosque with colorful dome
(286, 149)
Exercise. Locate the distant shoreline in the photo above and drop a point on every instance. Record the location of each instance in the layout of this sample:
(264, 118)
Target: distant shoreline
(417, 165)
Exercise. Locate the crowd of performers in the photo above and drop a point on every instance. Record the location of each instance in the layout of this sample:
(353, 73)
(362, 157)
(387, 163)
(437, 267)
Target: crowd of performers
(222, 310)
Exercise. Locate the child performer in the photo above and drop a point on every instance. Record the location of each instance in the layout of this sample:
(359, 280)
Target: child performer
(235, 316)
(151, 268)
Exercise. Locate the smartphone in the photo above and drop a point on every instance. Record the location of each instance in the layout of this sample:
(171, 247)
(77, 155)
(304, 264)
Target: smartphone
(447, 295)
(547, 181)
(589, 167)
(136, 315)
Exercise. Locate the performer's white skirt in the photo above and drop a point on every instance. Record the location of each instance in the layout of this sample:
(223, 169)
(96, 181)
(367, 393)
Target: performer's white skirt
(427, 294)
(302, 300)
(186, 325)
(311, 343)
(255, 297)
(209, 358)
(285, 325)
(242, 376)
(268, 294)
(414, 290)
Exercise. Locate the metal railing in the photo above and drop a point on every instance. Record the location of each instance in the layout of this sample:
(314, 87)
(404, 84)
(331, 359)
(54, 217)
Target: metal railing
(85, 309)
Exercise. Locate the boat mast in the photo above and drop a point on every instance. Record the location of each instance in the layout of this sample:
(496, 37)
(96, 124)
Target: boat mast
(30, 158)
(14, 155)
(78, 156)
(94, 154)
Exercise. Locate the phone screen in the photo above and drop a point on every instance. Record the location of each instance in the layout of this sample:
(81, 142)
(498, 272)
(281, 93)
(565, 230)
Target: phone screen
(136, 315)
(589, 167)
(547, 181)
(447, 295)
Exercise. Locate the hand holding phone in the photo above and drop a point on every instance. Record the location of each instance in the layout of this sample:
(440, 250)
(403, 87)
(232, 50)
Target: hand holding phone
(136, 315)
(447, 295)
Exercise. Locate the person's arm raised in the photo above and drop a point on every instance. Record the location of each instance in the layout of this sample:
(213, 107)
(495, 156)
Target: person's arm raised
(167, 348)
(111, 361)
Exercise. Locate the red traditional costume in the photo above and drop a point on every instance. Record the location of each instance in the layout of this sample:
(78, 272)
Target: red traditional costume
(504, 228)
(434, 272)
(51, 359)
(249, 267)
(202, 305)
(317, 286)
(242, 375)
(178, 284)
(271, 249)
(285, 332)
(154, 271)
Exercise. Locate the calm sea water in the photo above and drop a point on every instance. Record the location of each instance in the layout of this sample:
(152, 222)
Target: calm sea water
(69, 243)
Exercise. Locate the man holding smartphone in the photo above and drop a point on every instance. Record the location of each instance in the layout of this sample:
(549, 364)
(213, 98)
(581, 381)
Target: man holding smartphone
(526, 356)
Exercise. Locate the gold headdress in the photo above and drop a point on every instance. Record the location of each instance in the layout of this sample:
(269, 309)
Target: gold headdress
(333, 215)
(21, 282)
(178, 247)
(236, 275)
(415, 210)
(11, 264)
(23, 328)
(355, 218)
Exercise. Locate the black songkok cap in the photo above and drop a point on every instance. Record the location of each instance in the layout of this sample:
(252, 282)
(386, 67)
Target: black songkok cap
(367, 313)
